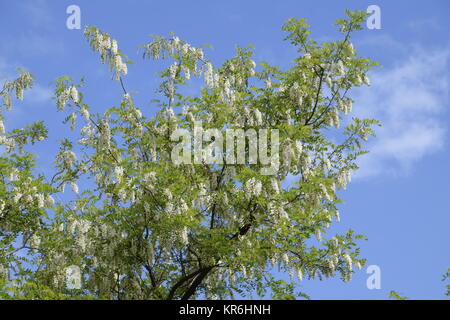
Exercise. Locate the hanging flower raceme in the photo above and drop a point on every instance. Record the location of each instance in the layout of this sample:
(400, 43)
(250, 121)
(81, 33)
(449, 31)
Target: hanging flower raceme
(108, 50)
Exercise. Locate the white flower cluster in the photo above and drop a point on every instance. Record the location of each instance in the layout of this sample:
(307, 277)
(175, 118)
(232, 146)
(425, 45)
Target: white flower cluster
(337, 215)
(72, 119)
(338, 68)
(253, 187)
(7, 101)
(334, 118)
(296, 94)
(2, 208)
(268, 83)
(211, 78)
(318, 235)
(344, 178)
(185, 52)
(326, 193)
(348, 261)
(68, 93)
(345, 105)
(350, 48)
(80, 228)
(13, 175)
(66, 158)
(160, 46)
(275, 185)
(85, 113)
(118, 172)
(105, 135)
(292, 152)
(362, 80)
(27, 195)
(248, 116)
(89, 133)
(24, 81)
(184, 236)
(74, 186)
(108, 50)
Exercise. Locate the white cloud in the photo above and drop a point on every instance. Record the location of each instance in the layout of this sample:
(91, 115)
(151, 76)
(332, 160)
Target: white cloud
(410, 100)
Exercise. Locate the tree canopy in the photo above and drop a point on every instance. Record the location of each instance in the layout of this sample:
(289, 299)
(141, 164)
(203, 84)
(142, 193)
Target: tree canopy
(144, 226)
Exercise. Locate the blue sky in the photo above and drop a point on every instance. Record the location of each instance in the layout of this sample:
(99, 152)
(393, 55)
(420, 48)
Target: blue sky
(400, 197)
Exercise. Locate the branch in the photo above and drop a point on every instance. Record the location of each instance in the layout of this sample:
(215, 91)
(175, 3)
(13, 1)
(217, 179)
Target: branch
(198, 280)
(184, 279)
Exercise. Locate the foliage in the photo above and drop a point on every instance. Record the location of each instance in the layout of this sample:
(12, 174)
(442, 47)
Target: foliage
(143, 227)
(396, 296)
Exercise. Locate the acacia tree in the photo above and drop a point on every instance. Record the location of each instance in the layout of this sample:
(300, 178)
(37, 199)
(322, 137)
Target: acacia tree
(146, 227)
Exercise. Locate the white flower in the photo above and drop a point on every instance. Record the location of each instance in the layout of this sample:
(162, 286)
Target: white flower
(19, 92)
(327, 163)
(348, 260)
(184, 236)
(338, 217)
(85, 113)
(258, 116)
(173, 70)
(74, 94)
(170, 208)
(318, 235)
(285, 258)
(73, 277)
(359, 80)
(335, 242)
(7, 101)
(118, 171)
(209, 75)
(114, 46)
(299, 274)
(170, 113)
(120, 66)
(107, 43)
(16, 197)
(200, 53)
(49, 201)
(275, 187)
(185, 48)
(344, 178)
(168, 194)
(117, 61)
(105, 137)
(253, 187)
(138, 113)
(72, 118)
(350, 48)
(68, 157)
(338, 68)
(35, 241)
(299, 146)
(74, 187)
(41, 200)
(2, 127)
